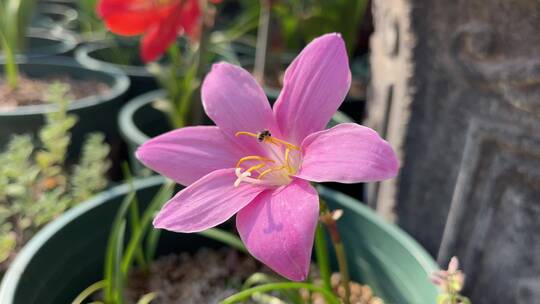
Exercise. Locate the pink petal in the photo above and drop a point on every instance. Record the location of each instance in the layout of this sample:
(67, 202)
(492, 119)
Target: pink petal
(315, 85)
(347, 153)
(278, 228)
(235, 102)
(185, 155)
(206, 203)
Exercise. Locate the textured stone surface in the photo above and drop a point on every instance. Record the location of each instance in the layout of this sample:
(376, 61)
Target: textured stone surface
(456, 89)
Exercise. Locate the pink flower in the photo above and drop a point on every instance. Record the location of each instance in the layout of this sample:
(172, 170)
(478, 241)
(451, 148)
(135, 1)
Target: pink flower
(257, 162)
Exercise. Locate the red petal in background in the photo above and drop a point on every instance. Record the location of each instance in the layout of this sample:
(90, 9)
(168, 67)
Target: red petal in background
(131, 17)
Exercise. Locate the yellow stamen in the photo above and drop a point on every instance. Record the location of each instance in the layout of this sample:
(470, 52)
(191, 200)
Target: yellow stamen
(286, 144)
(269, 170)
(257, 167)
(253, 157)
(246, 133)
(287, 151)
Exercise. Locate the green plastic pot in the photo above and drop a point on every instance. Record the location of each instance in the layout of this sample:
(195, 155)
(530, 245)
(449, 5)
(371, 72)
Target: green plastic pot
(67, 255)
(98, 55)
(95, 113)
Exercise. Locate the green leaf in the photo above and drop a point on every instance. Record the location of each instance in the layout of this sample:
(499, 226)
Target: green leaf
(89, 291)
(224, 237)
(147, 298)
(112, 273)
(245, 294)
(163, 195)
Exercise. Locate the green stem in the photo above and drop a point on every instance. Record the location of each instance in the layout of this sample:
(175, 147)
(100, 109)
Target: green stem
(135, 219)
(89, 291)
(174, 87)
(263, 35)
(343, 269)
(196, 105)
(245, 294)
(224, 237)
(11, 70)
(321, 251)
(339, 248)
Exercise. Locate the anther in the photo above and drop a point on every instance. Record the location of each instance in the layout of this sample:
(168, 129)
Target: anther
(254, 157)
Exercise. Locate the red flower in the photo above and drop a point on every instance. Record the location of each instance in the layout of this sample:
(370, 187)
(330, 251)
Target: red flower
(160, 21)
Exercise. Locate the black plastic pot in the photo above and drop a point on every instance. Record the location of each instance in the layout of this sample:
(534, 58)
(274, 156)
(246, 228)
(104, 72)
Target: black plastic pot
(139, 121)
(67, 255)
(54, 16)
(95, 113)
(100, 55)
(46, 43)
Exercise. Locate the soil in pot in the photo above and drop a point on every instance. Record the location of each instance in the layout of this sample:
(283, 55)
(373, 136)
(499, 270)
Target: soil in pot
(206, 276)
(32, 91)
(209, 276)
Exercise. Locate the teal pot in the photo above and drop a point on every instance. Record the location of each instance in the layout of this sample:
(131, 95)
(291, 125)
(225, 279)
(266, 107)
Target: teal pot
(103, 55)
(95, 112)
(46, 43)
(54, 16)
(139, 121)
(67, 255)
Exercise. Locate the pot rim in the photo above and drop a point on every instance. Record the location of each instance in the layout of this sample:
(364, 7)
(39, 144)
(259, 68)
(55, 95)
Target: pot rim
(69, 13)
(67, 41)
(82, 55)
(130, 132)
(118, 80)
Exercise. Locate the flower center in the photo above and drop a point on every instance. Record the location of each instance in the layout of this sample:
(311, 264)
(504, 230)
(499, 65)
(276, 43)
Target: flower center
(282, 160)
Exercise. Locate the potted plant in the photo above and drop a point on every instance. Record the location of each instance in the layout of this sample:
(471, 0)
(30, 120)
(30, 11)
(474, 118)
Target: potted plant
(68, 255)
(123, 55)
(22, 83)
(36, 183)
(17, 39)
(257, 164)
(93, 94)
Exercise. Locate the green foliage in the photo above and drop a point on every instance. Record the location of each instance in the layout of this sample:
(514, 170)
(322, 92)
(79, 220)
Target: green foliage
(301, 21)
(14, 18)
(83, 180)
(89, 21)
(35, 186)
(138, 248)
